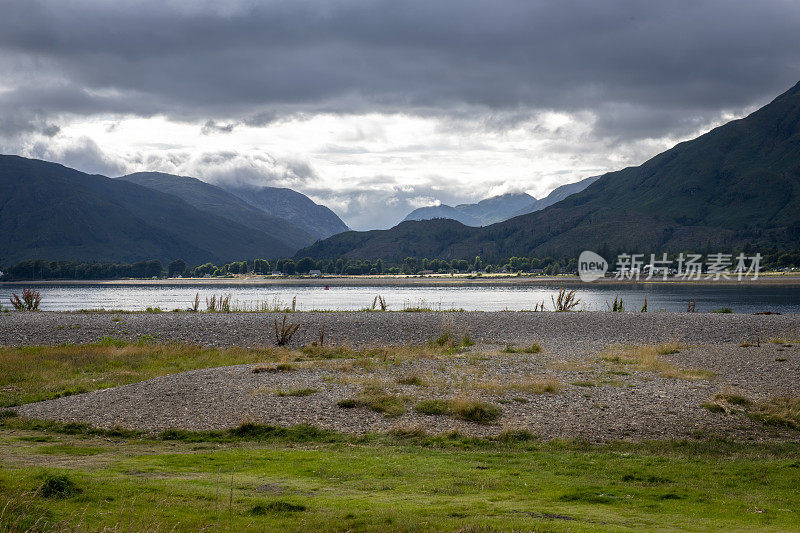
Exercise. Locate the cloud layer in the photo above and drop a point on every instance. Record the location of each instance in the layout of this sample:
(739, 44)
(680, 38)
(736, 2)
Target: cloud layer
(625, 78)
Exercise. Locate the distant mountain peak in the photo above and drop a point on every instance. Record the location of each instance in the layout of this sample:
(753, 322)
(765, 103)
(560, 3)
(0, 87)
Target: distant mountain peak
(498, 208)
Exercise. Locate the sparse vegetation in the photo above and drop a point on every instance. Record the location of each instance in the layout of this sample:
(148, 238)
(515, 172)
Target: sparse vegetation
(648, 359)
(375, 397)
(565, 301)
(195, 307)
(218, 304)
(297, 392)
(463, 408)
(272, 369)
(781, 411)
(412, 379)
(379, 302)
(29, 301)
(618, 306)
(723, 310)
(530, 385)
(285, 333)
(533, 348)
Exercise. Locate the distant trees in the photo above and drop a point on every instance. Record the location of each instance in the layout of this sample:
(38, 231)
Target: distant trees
(42, 270)
(304, 265)
(176, 268)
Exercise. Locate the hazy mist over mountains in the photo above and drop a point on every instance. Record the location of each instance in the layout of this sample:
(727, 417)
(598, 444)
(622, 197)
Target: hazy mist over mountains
(498, 208)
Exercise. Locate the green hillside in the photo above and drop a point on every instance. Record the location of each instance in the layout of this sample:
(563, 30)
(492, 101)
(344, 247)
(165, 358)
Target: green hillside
(217, 201)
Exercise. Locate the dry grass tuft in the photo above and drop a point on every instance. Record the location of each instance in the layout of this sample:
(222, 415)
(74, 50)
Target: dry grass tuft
(533, 348)
(271, 369)
(783, 411)
(463, 408)
(297, 392)
(649, 359)
(374, 397)
(412, 378)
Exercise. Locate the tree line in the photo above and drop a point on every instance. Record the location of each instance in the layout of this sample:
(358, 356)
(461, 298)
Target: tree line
(92, 270)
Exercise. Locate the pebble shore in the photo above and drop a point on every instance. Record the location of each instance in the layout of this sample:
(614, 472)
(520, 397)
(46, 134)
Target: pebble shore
(593, 403)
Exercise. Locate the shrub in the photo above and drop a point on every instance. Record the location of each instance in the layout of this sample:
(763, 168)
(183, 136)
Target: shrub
(286, 332)
(58, 486)
(29, 302)
(565, 301)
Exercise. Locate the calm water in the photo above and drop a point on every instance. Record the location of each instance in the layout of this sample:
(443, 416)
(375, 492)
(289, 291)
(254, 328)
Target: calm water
(669, 297)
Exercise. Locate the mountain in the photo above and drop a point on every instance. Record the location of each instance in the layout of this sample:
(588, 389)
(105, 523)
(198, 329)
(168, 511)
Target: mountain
(738, 185)
(483, 213)
(297, 208)
(49, 211)
(556, 195)
(217, 201)
(498, 208)
(443, 211)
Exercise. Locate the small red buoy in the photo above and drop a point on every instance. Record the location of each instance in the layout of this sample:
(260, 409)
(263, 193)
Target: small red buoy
(327, 288)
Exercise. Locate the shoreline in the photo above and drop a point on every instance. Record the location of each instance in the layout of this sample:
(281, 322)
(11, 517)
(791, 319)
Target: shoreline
(413, 281)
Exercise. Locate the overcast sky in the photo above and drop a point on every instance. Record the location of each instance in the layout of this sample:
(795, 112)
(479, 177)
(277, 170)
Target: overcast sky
(377, 107)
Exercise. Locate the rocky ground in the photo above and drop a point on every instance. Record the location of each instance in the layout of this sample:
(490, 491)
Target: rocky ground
(593, 396)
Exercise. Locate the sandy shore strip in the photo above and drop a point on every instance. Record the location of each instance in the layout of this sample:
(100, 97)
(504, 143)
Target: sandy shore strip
(593, 399)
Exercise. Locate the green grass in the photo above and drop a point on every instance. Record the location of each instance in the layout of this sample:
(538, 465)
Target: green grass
(533, 348)
(310, 480)
(465, 409)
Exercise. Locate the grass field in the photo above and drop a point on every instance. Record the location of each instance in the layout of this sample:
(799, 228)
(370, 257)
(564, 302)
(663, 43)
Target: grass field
(70, 477)
(265, 479)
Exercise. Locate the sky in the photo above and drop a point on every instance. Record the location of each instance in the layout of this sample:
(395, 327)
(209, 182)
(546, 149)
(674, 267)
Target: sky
(377, 107)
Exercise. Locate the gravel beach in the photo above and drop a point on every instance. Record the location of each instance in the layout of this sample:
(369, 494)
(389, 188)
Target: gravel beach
(595, 400)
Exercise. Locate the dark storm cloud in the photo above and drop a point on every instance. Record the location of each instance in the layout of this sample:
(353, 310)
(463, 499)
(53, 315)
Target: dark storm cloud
(645, 68)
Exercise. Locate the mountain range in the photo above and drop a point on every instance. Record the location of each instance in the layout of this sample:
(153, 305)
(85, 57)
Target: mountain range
(49, 211)
(733, 187)
(736, 187)
(498, 208)
(217, 201)
(52, 212)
